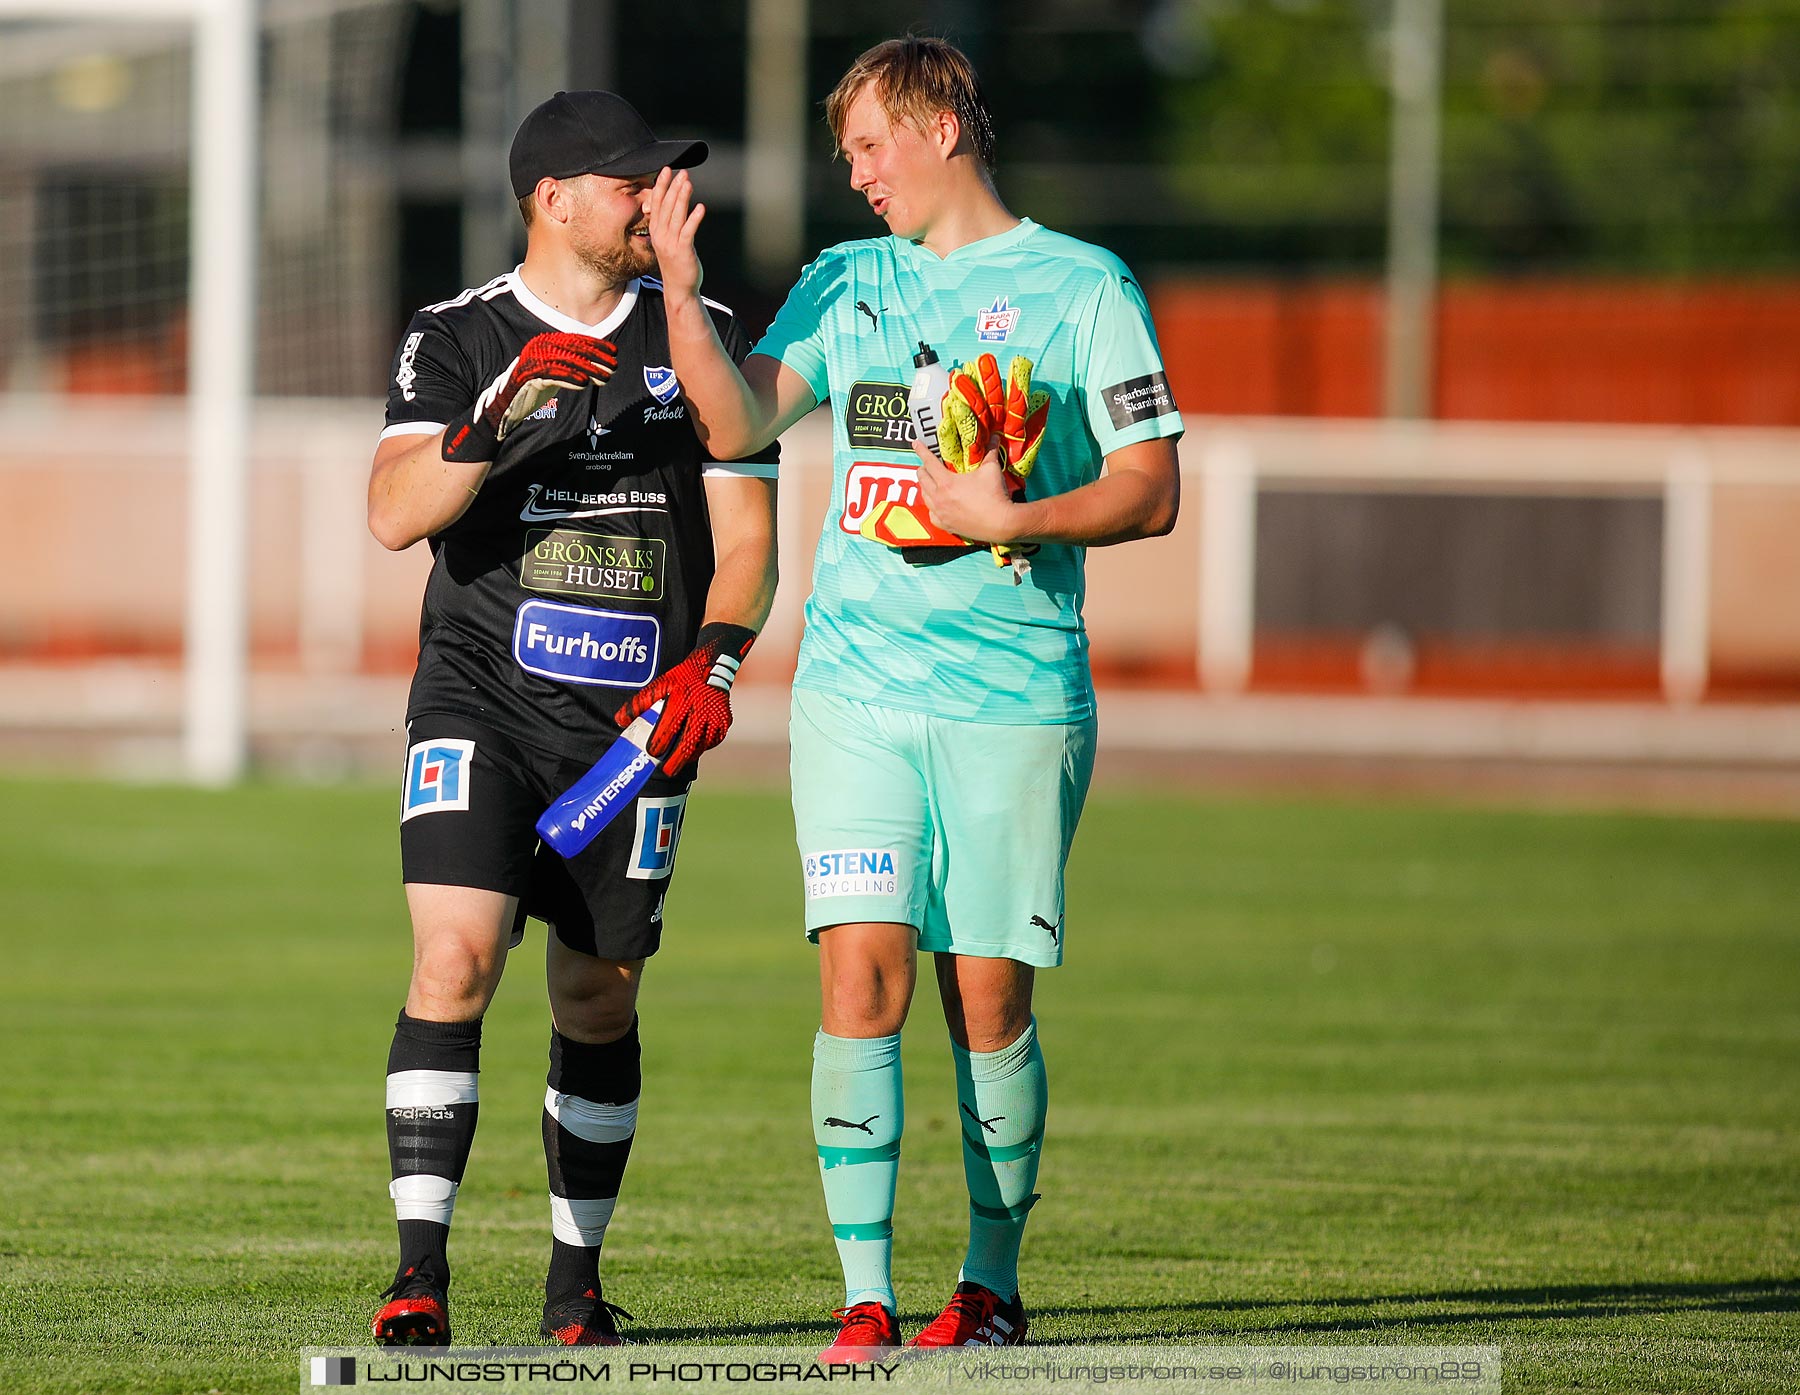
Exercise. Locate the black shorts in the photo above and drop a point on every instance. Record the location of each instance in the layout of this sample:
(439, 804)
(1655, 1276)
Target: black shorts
(469, 804)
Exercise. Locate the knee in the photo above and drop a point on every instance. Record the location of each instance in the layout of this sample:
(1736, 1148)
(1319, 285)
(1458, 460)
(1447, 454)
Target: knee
(451, 982)
(987, 1028)
(596, 1017)
(863, 1001)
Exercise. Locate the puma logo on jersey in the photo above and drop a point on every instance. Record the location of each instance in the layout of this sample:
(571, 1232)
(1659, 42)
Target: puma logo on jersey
(1043, 924)
(874, 315)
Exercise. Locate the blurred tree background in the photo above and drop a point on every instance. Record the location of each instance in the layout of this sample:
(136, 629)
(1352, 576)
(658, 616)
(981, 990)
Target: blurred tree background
(1593, 136)
(1656, 136)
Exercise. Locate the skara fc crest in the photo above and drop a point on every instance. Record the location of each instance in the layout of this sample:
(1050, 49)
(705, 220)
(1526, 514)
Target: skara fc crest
(994, 324)
(662, 383)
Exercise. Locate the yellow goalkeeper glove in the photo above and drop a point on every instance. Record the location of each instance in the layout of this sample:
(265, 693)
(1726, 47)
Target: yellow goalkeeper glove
(979, 410)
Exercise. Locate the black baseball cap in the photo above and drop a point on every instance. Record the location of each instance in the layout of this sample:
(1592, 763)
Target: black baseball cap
(591, 133)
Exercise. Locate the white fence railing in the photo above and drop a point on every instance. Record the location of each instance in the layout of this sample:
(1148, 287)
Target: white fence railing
(1238, 459)
(74, 470)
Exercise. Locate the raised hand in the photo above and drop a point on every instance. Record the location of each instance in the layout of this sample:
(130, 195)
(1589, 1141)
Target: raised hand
(674, 221)
(546, 363)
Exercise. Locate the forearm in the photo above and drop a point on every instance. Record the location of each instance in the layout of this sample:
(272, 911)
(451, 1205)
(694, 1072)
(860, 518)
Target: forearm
(414, 492)
(1119, 507)
(727, 416)
(743, 586)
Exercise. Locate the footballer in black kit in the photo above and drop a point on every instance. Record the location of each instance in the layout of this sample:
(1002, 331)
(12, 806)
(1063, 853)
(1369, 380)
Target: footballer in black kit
(589, 561)
(578, 574)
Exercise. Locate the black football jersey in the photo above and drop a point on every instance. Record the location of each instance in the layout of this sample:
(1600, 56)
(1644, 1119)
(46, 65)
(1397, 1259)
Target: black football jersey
(580, 570)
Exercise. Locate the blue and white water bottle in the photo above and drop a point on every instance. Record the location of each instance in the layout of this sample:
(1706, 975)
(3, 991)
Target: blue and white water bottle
(575, 819)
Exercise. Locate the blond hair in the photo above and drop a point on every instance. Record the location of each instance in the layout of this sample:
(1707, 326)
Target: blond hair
(916, 78)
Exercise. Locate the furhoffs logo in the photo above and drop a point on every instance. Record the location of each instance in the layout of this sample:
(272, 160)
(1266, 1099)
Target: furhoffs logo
(574, 644)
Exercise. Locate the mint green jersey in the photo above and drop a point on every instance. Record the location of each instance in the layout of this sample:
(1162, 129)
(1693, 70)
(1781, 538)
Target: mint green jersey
(957, 637)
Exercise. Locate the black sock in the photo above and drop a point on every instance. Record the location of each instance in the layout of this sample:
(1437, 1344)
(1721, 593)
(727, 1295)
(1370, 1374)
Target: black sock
(590, 1118)
(431, 1111)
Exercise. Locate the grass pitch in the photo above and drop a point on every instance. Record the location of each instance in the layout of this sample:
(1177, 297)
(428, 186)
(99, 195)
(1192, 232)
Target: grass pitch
(1320, 1072)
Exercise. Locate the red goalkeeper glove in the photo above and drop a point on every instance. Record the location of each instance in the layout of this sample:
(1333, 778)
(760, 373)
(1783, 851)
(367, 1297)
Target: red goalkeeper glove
(546, 363)
(981, 412)
(696, 697)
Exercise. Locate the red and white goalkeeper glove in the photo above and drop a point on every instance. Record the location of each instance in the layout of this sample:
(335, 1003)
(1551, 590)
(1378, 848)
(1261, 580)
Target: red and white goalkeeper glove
(546, 363)
(696, 697)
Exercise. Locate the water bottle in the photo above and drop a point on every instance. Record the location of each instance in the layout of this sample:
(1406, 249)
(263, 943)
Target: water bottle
(575, 819)
(925, 400)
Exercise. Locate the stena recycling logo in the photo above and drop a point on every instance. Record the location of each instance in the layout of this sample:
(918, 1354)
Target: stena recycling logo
(574, 644)
(662, 383)
(850, 872)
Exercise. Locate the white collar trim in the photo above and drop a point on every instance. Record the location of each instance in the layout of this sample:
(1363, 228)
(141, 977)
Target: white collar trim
(567, 323)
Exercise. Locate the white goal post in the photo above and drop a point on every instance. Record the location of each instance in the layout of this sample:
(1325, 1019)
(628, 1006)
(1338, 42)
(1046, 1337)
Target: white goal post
(224, 120)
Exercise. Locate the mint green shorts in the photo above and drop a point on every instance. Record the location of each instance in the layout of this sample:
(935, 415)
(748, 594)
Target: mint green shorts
(959, 829)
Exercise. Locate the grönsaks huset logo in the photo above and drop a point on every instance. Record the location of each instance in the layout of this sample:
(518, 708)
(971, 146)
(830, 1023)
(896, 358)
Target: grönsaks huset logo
(573, 644)
(574, 563)
(662, 382)
(851, 872)
(437, 777)
(875, 418)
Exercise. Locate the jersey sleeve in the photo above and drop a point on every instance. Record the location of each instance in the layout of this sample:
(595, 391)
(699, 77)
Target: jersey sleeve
(1125, 391)
(797, 337)
(431, 381)
(763, 464)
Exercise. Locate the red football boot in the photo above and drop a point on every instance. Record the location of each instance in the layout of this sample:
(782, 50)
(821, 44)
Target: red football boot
(868, 1329)
(975, 1317)
(586, 1320)
(417, 1314)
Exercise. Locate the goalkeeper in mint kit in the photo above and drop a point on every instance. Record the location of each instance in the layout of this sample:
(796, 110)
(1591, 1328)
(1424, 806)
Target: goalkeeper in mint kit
(943, 713)
(592, 564)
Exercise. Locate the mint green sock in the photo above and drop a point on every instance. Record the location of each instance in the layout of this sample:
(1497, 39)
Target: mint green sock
(858, 1115)
(1001, 1101)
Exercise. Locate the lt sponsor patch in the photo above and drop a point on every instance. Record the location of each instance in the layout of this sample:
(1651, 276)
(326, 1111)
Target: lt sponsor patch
(875, 417)
(575, 644)
(572, 563)
(994, 324)
(437, 777)
(662, 382)
(1138, 399)
(869, 482)
(658, 833)
(850, 872)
